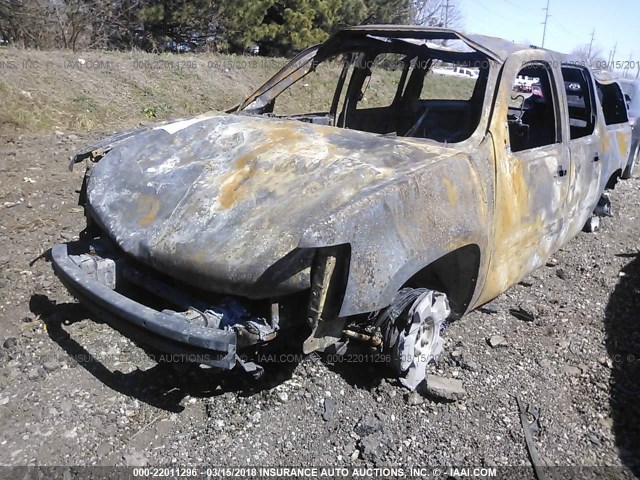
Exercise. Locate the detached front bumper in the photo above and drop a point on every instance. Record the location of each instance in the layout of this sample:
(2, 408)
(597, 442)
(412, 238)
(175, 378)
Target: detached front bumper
(163, 331)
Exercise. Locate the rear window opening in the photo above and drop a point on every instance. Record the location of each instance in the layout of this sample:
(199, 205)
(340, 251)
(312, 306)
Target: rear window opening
(613, 103)
(580, 101)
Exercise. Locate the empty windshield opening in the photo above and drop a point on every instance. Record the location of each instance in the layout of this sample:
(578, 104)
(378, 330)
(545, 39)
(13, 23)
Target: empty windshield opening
(397, 87)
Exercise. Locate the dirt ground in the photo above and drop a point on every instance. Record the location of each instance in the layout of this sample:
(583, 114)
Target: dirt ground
(75, 392)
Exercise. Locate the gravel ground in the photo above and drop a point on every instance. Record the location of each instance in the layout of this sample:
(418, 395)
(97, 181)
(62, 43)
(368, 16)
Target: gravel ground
(75, 392)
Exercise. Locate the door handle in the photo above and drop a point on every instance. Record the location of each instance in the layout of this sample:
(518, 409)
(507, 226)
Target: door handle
(596, 158)
(561, 171)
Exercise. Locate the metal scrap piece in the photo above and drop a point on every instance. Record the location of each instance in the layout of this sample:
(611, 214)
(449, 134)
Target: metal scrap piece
(531, 448)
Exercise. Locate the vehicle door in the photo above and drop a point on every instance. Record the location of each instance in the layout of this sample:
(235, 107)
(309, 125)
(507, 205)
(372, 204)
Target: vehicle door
(532, 170)
(616, 131)
(579, 105)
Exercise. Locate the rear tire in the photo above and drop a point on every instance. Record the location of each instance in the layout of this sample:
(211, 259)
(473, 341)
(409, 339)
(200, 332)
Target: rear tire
(628, 172)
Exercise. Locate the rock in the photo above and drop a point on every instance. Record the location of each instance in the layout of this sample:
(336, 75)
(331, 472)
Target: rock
(373, 447)
(495, 341)
(329, 409)
(489, 309)
(560, 273)
(414, 398)
(456, 356)
(135, 459)
(10, 342)
(255, 417)
(51, 366)
(448, 389)
(595, 440)
(605, 362)
(283, 396)
(103, 449)
(368, 425)
(33, 374)
(4, 400)
(570, 370)
(544, 363)
(471, 365)
(218, 424)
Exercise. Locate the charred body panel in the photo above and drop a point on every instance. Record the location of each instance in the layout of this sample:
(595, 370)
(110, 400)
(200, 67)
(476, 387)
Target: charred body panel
(345, 213)
(236, 204)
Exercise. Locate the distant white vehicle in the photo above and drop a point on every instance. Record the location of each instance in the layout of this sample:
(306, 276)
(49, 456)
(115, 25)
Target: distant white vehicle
(525, 84)
(457, 72)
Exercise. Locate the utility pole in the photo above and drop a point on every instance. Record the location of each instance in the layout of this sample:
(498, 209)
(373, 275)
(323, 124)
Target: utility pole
(446, 15)
(612, 56)
(626, 68)
(593, 34)
(546, 19)
(445, 6)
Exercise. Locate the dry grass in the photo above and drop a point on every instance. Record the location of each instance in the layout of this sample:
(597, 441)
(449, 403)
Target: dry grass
(44, 91)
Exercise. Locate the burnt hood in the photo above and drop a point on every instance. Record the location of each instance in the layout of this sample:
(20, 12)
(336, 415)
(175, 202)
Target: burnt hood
(217, 200)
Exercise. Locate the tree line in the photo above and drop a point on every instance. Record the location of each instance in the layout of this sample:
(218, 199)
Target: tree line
(267, 27)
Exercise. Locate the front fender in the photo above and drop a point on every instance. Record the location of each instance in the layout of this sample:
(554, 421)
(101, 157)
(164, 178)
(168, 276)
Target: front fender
(398, 230)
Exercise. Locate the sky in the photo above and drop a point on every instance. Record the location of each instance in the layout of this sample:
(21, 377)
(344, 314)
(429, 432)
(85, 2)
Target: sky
(570, 24)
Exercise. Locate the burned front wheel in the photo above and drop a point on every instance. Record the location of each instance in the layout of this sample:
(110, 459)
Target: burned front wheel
(412, 328)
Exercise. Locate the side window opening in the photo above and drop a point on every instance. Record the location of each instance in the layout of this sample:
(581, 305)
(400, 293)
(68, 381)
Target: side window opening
(447, 102)
(580, 101)
(532, 117)
(613, 103)
(373, 97)
(384, 80)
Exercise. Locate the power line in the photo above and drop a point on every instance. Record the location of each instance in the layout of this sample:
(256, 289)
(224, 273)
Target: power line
(565, 30)
(494, 13)
(515, 5)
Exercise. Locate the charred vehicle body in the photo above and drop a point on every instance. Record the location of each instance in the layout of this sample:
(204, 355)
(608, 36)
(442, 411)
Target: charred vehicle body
(373, 220)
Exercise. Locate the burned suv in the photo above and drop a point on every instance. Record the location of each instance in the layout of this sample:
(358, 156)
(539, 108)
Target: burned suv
(412, 197)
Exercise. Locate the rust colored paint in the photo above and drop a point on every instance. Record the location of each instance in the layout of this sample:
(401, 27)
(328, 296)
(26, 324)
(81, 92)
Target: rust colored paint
(148, 206)
(234, 184)
(623, 143)
(452, 192)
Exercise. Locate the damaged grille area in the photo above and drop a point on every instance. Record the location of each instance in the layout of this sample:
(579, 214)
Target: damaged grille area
(203, 327)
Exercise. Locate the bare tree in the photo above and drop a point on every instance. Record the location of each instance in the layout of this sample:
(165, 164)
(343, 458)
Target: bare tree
(592, 56)
(437, 13)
